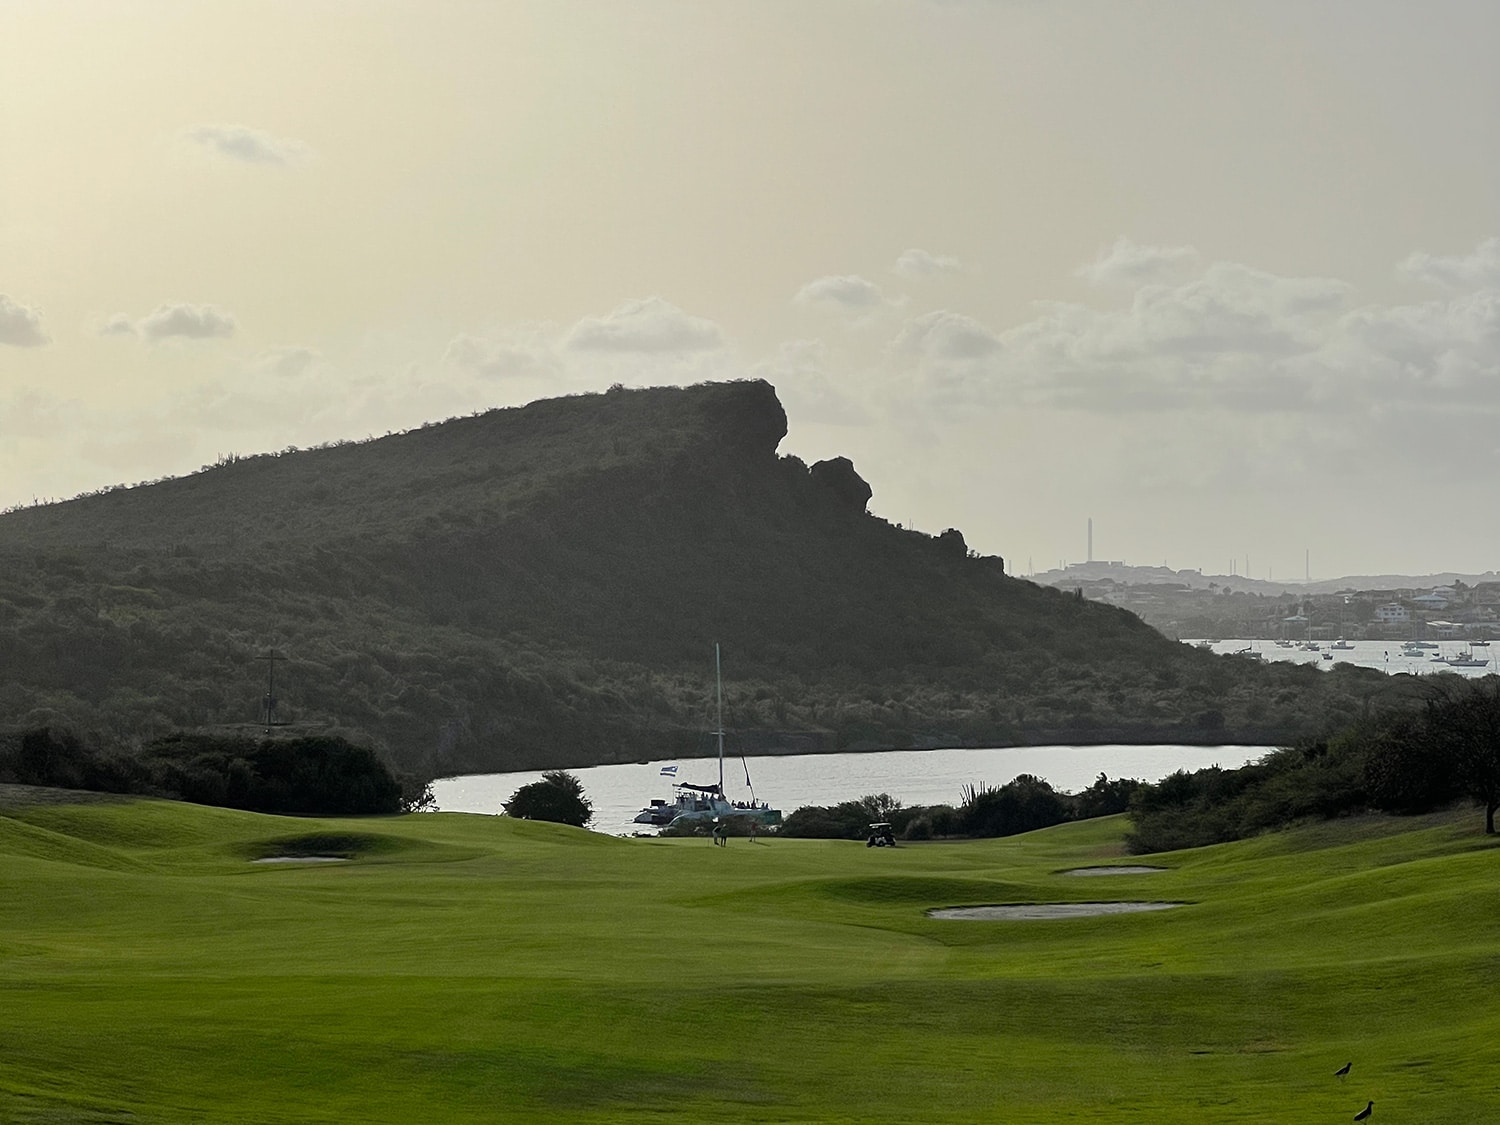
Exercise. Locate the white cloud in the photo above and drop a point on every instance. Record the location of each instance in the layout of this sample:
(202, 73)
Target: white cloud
(1233, 338)
(21, 327)
(920, 264)
(1441, 352)
(1464, 271)
(284, 362)
(118, 325)
(38, 417)
(506, 358)
(847, 292)
(651, 325)
(1131, 264)
(946, 335)
(1232, 308)
(799, 372)
(195, 322)
(251, 146)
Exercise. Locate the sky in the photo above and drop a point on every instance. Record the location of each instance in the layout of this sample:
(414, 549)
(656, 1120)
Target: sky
(1222, 277)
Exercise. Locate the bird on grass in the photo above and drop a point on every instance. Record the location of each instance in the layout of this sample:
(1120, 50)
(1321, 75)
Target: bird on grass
(1343, 1070)
(1364, 1113)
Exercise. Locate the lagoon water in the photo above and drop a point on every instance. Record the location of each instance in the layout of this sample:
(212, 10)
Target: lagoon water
(923, 777)
(1383, 656)
(913, 777)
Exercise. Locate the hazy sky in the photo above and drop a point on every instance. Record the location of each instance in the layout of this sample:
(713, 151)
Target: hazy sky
(1223, 276)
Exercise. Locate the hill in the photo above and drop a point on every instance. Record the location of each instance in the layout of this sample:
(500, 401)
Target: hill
(542, 586)
(477, 969)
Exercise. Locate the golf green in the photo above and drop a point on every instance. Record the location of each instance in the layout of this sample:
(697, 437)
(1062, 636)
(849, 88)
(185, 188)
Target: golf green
(461, 968)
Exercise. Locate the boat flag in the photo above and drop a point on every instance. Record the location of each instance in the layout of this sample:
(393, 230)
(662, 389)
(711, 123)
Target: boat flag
(669, 771)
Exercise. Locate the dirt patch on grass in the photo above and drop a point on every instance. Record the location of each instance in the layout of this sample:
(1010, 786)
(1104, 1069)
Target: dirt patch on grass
(302, 859)
(1044, 911)
(1117, 869)
(318, 847)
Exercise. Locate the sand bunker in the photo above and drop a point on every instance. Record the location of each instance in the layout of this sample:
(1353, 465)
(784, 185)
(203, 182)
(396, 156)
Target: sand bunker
(1042, 911)
(303, 859)
(1123, 869)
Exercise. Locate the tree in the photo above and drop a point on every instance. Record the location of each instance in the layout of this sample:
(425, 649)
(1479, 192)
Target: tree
(1023, 804)
(558, 797)
(1465, 731)
(1105, 797)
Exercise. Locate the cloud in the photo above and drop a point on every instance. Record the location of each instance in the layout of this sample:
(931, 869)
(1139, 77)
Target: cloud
(195, 322)
(118, 325)
(651, 325)
(1481, 269)
(1233, 338)
(1130, 264)
(918, 264)
(284, 362)
(1444, 353)
(249, 145)
(847, 292)
(507, 358)
(39, 417)
(945, 335)
(799, 372)
(21, 327)
(1231, 308)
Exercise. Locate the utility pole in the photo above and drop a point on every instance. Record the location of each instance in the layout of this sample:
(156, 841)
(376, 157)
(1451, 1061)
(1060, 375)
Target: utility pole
(269, 703)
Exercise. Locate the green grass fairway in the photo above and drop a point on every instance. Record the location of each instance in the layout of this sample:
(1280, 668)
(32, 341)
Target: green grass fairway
(477, 969)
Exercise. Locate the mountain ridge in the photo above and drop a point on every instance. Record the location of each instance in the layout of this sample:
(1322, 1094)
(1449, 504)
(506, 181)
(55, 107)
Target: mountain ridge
(541, 586)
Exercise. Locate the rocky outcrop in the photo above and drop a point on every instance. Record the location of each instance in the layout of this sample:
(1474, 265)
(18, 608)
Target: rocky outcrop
(744, 415)
(838, 476)
(952, 543)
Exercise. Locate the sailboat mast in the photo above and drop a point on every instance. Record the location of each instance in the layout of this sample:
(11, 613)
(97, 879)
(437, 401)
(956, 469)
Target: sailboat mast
(719, 714)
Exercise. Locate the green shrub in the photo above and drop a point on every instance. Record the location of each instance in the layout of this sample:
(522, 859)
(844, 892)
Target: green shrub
(557, 797)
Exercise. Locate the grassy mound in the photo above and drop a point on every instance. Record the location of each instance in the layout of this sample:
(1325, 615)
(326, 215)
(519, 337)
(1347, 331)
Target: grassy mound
(479, 969)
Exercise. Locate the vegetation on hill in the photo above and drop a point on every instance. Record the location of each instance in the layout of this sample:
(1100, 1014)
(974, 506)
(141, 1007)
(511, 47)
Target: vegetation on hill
(315, 775)
(540, 587)
(1393, 762)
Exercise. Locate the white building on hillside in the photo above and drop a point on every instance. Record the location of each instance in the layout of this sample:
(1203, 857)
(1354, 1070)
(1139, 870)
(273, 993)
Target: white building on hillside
(1392, 613)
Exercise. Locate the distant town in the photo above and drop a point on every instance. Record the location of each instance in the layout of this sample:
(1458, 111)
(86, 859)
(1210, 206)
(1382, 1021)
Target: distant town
(1187, 604)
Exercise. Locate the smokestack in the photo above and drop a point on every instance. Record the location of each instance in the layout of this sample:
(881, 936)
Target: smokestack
(1091, 539)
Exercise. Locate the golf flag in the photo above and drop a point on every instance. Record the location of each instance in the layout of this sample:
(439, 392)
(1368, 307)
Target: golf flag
(669, 771)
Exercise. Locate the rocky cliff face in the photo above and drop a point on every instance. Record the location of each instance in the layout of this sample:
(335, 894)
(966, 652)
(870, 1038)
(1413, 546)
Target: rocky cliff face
(838, 476)
(744, 415)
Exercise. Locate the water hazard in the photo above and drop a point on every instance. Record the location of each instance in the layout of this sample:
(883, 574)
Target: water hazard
(913, 777)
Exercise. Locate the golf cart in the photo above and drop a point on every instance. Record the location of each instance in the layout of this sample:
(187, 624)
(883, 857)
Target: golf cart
(881, 836)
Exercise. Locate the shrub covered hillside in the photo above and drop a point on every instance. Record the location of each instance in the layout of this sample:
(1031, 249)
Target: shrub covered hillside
(1397, 762)
(542, 586)
(317, 775)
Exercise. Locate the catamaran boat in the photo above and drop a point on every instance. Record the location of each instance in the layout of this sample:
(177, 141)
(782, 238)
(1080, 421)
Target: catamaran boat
(708, 803)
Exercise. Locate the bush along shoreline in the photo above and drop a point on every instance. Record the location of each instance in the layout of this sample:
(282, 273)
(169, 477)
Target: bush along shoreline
(317, 775)
(1395, 763)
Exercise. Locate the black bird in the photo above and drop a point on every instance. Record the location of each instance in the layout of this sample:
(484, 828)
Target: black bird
(1343, 1070)
(1362, 1114)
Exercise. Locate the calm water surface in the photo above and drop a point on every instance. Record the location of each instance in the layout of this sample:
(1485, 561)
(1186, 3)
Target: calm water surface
(913, 777)
(1383, 656)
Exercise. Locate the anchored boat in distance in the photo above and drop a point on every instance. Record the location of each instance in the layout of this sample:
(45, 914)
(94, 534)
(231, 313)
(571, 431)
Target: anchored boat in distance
(708, 803)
